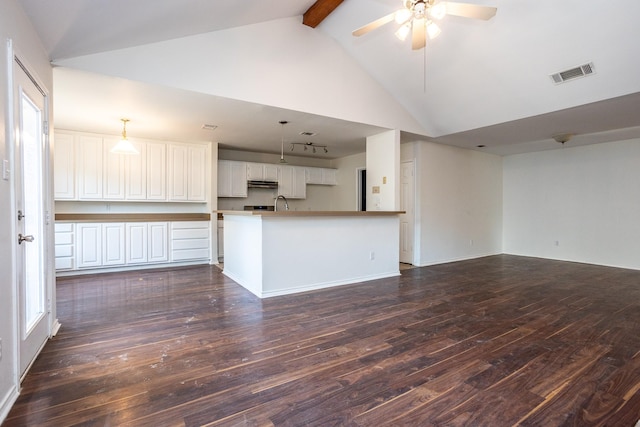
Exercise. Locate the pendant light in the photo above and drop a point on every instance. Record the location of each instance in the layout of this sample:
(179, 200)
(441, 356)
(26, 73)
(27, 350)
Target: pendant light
(282, 160)
(124, 146)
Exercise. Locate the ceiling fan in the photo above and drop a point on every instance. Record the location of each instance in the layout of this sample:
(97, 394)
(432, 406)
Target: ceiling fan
(417, 17)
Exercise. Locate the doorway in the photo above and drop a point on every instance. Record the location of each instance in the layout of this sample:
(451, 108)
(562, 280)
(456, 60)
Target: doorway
(31, 196)
(407, 204)
(362, 189)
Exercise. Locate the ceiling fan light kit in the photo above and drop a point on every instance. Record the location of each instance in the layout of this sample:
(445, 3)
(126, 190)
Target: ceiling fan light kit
(416, 17)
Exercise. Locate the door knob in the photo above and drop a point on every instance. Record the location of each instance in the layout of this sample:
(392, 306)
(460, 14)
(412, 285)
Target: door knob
(22, 238)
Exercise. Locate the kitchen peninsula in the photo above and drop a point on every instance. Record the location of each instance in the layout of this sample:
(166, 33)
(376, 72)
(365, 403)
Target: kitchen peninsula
(284, 252)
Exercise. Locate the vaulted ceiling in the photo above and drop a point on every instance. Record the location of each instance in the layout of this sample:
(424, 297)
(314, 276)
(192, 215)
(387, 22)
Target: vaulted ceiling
(479, 83)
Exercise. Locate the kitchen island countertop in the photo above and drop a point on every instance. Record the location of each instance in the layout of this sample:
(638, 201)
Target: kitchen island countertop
(309, 213)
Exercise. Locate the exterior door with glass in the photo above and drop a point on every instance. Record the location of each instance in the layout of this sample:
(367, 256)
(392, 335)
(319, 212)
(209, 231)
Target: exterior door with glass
(30, 196)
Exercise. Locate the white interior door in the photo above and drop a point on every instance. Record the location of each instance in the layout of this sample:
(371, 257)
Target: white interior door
(29, 172)
(407, 220)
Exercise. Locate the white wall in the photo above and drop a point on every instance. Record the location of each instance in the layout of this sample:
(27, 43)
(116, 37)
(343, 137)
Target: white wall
(383, 171)
(459, 203)
(14, 25)
(575, 203)
(346, 199)
(280, 63)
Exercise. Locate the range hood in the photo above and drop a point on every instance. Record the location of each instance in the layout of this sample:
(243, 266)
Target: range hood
(272, 185)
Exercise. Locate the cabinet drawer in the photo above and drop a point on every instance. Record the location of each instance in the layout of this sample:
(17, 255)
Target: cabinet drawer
(176, 225)
(64, 239)
(190, 254)
(198, 233)
(63, 227)
(64, 251)
(190, 244)
(64, 263)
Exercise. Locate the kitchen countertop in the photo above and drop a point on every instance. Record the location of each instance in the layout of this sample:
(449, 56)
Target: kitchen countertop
(310, 213)
(131, 217)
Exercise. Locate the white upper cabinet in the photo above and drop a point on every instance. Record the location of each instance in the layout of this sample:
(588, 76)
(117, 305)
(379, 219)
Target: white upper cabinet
(85, 169)
(156, 171)
(198, 157)
(232, 179)
(322, 176)
(63, 166)
(89, 167)
(187, 172)
(113, 178)
(136, 173)
(292, 182)
(177, 172)
(262, 172)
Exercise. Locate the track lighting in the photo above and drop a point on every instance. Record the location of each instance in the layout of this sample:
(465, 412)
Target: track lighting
(306, 145)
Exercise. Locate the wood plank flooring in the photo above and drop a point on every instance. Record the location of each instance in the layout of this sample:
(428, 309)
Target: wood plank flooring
(497, 341)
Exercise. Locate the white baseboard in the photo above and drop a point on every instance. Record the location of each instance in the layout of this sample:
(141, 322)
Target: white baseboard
(7, 403)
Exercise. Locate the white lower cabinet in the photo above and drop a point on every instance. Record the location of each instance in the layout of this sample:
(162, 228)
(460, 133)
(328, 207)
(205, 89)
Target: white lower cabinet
(89, 244)
(220, 238)
(136, 246)
(82, 246)
(100, 244)
(190, 240)
(147, 242)
(113, 244)
(65, 246)
(158, 242)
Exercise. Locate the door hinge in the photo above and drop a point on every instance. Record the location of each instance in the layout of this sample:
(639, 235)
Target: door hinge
(45, 127)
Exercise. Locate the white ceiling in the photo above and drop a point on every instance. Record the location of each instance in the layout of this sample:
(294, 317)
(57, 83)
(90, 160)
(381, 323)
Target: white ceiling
(479, 83)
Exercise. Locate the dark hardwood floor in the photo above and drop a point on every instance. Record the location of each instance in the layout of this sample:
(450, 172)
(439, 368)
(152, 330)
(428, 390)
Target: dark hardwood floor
(497, 341)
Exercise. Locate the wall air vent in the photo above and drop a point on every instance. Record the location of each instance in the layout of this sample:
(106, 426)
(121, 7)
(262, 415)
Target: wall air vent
(573, 73)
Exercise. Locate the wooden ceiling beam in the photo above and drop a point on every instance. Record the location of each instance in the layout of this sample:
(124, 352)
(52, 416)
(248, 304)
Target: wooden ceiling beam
(319, 11)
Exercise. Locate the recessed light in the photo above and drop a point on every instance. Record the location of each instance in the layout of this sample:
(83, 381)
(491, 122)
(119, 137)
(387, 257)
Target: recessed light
(481, 146)
(307, 133)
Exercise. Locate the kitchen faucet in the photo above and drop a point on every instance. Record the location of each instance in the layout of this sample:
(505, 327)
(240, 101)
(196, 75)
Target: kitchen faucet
(286, 205)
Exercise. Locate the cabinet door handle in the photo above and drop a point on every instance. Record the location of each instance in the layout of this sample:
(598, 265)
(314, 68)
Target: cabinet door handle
(27, 238)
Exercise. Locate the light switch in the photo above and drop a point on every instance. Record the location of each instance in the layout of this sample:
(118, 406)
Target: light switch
(384, 179)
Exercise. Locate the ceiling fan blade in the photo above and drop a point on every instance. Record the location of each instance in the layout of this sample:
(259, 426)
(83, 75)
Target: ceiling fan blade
(373, 25)
(418, 38)
(471, 10)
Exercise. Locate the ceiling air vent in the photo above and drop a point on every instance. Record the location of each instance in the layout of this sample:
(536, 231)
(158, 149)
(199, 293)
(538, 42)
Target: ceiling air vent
(573, 73)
